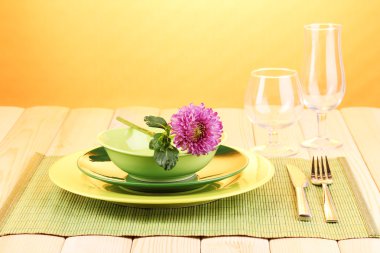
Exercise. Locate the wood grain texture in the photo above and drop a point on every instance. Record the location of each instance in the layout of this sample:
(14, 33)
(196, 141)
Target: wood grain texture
(32, 133)
(86, 123)
(367, 245)
(79, 130)
(303, 245)
(237, 127)
(234, 244)
(364, 125)
(8, 117)
(97, 244)
(31, 243)
(165, 244)
(362, 183)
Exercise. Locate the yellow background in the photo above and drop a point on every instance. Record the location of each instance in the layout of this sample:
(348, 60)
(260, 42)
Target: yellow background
(114, 53)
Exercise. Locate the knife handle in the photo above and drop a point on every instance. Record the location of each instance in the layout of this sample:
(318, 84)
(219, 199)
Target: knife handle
(303, 208)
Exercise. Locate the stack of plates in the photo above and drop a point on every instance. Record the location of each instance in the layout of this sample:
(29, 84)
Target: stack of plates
(232, 171)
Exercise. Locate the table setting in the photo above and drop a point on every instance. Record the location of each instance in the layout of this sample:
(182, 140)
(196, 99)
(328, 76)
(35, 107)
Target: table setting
(268, 170)
(252, 214)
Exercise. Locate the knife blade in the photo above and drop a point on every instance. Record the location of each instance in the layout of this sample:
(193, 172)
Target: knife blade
(300, 181)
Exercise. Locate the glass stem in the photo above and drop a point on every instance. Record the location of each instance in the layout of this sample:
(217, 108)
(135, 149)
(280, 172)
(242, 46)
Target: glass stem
(321, 123)
(272, 137)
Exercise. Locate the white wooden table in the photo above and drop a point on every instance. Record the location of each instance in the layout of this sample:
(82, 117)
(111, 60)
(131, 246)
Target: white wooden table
(60, 131)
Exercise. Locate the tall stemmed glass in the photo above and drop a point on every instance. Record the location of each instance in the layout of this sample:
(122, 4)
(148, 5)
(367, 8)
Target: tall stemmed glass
(273, 101)
(323, 78)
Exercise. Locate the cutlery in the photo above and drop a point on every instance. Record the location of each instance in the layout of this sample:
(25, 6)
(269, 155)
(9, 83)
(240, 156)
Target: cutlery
(300, 181)
(320, 176)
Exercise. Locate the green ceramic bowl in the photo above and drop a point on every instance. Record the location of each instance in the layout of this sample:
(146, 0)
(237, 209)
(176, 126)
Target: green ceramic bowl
(129, 150)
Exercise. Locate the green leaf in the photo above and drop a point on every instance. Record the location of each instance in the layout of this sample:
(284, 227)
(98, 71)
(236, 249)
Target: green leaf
(157, 122)
(166, 157)
(165, 154)
(156, 142)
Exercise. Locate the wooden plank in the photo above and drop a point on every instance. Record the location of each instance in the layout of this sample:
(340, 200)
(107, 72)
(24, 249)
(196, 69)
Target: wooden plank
(96, 244)
(367, 245)
(306, 245)
(165, 244)
(232, 244)
(8, 117)
(237, 128)
(361, 180)
(78, 131)
(31, 243)
(31, 135)
(364, 125)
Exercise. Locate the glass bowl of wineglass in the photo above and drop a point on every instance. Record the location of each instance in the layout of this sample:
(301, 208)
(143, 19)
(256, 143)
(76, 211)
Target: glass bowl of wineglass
(273, 101)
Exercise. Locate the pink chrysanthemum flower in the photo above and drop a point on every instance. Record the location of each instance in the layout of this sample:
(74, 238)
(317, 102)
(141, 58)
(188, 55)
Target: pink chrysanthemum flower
(196, 129)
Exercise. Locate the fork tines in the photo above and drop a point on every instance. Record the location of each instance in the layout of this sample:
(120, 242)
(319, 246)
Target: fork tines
(321, 173)
(328, 168)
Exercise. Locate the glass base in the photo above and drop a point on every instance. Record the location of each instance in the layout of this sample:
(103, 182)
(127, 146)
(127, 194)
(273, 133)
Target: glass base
(275, 151)
(322, 143)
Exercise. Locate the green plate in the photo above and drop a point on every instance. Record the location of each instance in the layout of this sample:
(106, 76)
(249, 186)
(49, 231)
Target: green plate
(65, 174)
(227, 162)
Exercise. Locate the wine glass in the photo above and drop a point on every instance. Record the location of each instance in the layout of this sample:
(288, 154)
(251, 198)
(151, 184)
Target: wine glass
(273, 101)
(323, 81)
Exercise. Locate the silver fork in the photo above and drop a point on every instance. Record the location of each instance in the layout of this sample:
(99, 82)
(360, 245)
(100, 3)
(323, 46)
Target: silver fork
(320, 176)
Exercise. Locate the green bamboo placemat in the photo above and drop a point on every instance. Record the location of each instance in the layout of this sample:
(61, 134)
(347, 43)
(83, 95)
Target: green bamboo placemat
(267, 212)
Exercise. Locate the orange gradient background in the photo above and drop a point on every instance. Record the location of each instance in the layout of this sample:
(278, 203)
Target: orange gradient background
(168, 53)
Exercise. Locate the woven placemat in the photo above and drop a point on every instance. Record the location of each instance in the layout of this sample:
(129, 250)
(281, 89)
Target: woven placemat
(266, 212)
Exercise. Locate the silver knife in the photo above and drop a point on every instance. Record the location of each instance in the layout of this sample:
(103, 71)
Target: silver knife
(300, 181)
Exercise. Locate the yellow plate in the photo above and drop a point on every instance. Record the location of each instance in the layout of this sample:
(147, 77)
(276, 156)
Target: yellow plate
(65, 174)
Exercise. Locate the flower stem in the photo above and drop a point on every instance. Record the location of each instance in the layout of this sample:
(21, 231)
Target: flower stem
(134, 126)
